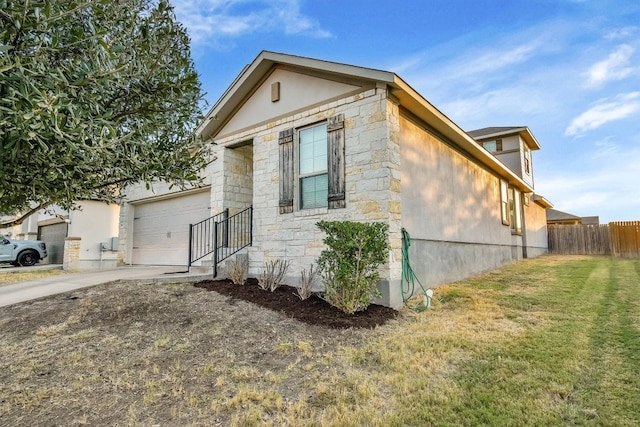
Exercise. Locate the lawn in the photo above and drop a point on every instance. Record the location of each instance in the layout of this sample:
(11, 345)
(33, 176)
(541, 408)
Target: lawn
(7, 277)
(549, 341)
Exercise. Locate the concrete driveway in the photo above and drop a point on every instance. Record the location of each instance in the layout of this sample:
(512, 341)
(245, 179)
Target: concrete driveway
(32, 289)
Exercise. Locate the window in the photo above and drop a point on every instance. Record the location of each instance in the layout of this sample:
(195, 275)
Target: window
(320, 171)
(504, 202)
(493, 146)
(314, 183)
(527, 160)
(514, 211)
(510, 207)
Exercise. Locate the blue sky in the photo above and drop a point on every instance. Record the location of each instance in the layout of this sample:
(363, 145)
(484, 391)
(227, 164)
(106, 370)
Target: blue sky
(567, 69)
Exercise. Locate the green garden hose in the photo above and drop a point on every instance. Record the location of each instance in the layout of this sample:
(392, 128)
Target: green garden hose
(409, 279)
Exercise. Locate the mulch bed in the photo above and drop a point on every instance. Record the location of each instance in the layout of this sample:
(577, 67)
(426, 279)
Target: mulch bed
(314, 310)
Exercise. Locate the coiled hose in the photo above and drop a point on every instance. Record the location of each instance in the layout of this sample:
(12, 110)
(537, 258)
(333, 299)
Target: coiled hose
(409, 279)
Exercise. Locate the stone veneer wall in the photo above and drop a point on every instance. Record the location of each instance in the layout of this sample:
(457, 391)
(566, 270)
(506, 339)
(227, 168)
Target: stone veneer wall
(372, 159)
(71, 253)
(238, 178)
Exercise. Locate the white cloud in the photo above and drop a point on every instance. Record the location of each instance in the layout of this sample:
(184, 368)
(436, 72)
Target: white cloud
(615, 67)
(499, 107)
(621, 33)
(605, 111)
(210, 21)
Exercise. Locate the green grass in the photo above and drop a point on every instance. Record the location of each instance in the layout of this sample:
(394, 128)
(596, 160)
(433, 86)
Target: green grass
(544, 342)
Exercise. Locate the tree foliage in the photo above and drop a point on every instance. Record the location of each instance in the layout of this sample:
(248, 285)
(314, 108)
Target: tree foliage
(350, 263)
(94, 95)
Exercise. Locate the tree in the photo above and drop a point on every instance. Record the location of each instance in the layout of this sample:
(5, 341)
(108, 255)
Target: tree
(94, 95)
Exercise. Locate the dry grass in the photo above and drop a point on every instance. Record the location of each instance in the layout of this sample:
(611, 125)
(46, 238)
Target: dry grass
(551, 341)
(22, 276)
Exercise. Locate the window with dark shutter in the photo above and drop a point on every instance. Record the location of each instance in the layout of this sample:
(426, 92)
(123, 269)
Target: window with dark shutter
(336, 166)
(285, 143)
(313, 167)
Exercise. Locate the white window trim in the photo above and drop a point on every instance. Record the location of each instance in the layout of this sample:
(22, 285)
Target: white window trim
(300, 176)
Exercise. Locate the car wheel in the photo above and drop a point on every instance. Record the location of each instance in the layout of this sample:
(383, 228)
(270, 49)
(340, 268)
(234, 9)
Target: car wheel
(27, 258)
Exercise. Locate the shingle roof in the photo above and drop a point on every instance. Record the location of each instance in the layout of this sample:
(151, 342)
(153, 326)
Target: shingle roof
(556, 215)
(479, 133)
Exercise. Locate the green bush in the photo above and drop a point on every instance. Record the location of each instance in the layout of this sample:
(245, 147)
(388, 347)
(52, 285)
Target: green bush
(349, 265)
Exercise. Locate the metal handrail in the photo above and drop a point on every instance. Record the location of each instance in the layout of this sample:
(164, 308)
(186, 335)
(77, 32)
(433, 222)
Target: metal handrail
(222, 235)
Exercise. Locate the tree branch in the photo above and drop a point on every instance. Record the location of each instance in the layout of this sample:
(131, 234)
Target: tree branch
(20, 219)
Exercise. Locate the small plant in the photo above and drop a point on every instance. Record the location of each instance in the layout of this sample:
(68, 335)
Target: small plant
(307, 280)
(237, 269)
(350, 263)
(273, 274)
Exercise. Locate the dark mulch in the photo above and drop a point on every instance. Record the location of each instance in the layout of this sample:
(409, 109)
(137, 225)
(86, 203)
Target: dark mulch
(314, 310)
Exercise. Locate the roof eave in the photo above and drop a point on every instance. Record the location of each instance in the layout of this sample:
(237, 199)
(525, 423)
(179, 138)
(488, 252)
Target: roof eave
(540, 200)
(426, 111)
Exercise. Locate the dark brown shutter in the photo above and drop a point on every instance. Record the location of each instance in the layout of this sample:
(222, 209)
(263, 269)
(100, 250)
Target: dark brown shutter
(335, 151)
(285, 143)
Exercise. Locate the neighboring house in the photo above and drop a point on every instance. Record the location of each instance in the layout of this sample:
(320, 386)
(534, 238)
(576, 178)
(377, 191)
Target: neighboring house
(556, 217)
(303, 140)
(591, 220)
(82, 239)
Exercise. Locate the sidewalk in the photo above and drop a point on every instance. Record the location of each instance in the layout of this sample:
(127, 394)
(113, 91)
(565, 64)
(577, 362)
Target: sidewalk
(32, 289)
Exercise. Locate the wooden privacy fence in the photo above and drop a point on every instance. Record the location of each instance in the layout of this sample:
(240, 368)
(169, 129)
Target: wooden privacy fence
(620, 239)
(625, 239)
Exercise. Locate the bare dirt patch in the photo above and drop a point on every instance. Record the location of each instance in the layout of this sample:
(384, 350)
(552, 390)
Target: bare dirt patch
(150, 354)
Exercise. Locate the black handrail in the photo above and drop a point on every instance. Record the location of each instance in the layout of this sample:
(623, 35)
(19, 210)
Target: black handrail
(222, 235)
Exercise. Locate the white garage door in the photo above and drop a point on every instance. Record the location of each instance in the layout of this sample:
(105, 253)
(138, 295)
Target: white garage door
(161, 228)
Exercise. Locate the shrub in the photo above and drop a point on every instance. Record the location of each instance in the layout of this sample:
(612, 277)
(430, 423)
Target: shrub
(273, 274)
(236, 269)
(350, 263)
(307, 280)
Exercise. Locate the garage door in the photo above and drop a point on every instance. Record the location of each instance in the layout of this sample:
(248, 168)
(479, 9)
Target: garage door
(53, 236)
(161, 228)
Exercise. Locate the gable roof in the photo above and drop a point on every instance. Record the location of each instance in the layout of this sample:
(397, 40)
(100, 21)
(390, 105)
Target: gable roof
(255, 73)
(556, 215)
(497, 131)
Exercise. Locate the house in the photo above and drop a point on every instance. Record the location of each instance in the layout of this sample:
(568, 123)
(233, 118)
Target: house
(303, 140)
(556, 217)
(81, 239)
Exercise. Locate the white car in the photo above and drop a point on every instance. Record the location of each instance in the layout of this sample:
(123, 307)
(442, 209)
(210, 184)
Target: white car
(24, 253)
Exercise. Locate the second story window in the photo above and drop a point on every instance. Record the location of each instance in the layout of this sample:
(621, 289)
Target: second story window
(493, 146)
(314, 184)
(527, 160)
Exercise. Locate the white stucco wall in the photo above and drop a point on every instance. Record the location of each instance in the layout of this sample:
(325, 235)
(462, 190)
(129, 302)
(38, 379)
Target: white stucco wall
(536, 229)
(451, 209)
(94, 223)
(296, 94)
